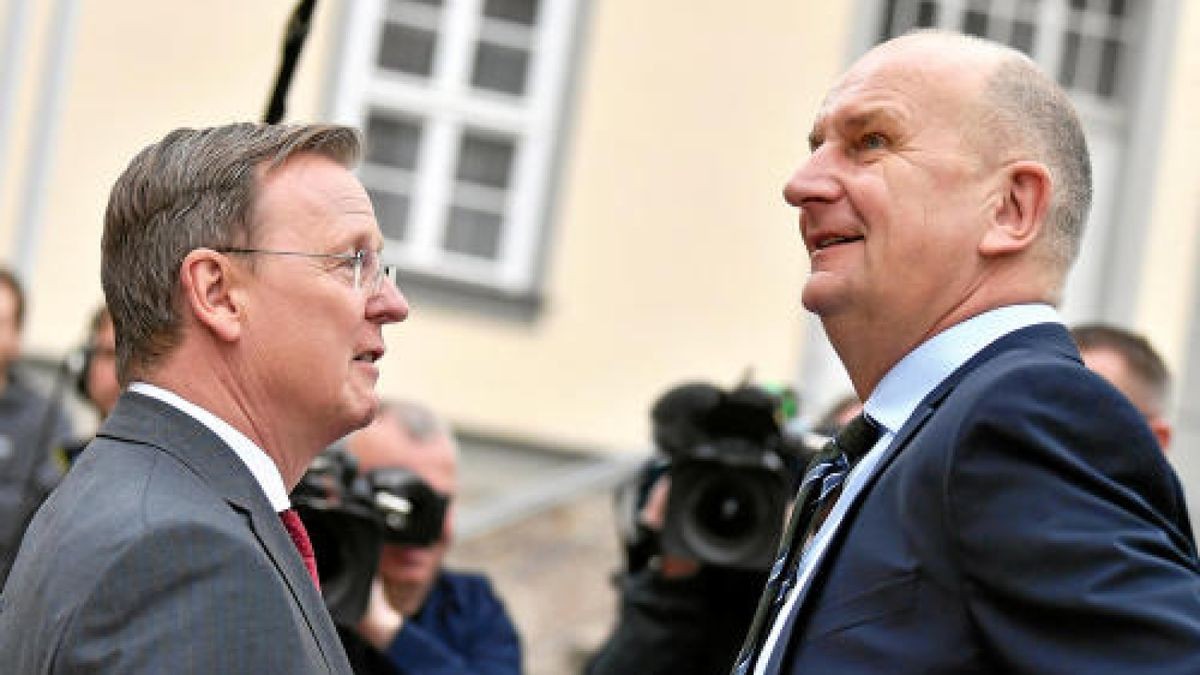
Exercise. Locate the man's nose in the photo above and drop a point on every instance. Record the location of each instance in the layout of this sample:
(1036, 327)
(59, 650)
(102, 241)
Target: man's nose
(815, 180)
(388, 305)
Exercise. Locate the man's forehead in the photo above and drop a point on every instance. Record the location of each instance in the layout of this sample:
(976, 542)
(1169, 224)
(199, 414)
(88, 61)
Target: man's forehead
(889, 82)
(310, 187)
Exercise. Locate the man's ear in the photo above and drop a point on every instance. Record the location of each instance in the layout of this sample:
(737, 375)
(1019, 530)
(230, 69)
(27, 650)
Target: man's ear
(1020, 211)
(210, 293)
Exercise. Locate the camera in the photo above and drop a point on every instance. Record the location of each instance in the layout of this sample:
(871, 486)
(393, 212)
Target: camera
(733, 472)
(350, 516)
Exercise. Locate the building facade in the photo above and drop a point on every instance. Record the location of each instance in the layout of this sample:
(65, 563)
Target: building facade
(584, 195)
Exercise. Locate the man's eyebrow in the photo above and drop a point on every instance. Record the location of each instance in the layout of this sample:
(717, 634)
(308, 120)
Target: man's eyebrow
(815, 138)
(857, 119)
(851, 121)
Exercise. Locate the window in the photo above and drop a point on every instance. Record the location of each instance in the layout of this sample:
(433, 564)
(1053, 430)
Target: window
(460, 102)
(1086, 43)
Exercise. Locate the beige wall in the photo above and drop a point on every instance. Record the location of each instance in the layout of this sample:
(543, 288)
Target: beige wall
(1166, 308)
(138, 69)
(673, 255)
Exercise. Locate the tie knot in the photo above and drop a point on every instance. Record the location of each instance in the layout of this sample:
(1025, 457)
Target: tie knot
(857, 437)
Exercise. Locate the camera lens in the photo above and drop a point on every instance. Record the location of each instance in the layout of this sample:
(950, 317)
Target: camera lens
(726, 510)
(728, 518)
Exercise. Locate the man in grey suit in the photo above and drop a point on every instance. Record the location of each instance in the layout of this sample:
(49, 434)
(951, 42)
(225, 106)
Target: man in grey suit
(242, 268)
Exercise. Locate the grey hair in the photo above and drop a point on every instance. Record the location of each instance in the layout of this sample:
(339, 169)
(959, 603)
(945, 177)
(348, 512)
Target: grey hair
(421, 423)
(1026, 110)
(1031, 112)
(194, 188)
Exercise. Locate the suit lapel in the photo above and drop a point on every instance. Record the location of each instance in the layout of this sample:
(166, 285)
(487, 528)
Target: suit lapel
(142, 419)
(1040, 337)
(279, 547)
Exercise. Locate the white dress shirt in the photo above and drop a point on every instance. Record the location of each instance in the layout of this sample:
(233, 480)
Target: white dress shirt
(261, 466)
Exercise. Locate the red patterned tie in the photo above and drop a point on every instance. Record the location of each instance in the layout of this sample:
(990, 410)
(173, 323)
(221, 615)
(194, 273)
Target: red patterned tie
(295, 527)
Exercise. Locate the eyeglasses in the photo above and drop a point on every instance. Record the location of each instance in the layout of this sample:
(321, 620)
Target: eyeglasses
(369, 272)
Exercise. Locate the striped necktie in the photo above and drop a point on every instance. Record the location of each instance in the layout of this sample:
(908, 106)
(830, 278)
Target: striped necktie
(818, 492)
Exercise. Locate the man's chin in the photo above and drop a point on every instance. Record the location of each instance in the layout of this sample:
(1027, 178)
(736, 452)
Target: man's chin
(823, 297)
(363, 411)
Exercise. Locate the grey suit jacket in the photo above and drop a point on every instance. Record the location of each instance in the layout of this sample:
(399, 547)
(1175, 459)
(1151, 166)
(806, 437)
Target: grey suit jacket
(159, 553)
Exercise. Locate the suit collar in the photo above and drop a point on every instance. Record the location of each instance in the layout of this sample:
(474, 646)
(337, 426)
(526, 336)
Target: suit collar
(145, 420)
(142, 419)
(261, 466)
(921, 371)
(1045, 338)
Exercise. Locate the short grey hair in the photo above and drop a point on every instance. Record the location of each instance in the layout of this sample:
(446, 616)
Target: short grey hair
(1030, 111)
(417, 420)
(194, 188)
(1022, 108)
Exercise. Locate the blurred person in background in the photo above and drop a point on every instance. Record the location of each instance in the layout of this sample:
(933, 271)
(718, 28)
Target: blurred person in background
(423, 617)
(97, 377)
(1131, 364)
(32, 428)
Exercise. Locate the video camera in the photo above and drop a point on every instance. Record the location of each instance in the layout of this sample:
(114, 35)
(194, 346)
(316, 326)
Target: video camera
(733, 471)
(350, 516)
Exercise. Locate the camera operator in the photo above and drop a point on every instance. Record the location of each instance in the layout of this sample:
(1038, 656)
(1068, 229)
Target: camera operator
(422, 617)
(703, 519)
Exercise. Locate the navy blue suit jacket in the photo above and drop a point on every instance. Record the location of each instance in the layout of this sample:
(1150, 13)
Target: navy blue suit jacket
(1022, 521)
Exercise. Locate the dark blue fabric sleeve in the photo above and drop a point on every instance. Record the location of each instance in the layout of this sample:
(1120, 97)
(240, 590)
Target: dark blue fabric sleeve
(463, 629)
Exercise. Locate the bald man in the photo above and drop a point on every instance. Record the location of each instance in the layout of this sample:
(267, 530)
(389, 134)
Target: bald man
(424, 618)
(1000, 509)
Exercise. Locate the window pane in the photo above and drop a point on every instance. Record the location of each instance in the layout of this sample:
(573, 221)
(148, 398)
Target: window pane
(500, 68)
(473, 232)
(1022, 36)
(392, 142)
(407, 49)
(887, 29)
(1110, 60)
(1070, 60)
(976, 23)
(485, 161)
(391, 210)
(927, 14)
(517, 11)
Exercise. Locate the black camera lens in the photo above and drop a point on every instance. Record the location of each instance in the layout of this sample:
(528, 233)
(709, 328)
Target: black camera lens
(727, 509)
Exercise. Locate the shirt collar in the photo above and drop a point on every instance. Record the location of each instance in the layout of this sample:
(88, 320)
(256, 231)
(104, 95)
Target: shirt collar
(924, 368)
(261, 466)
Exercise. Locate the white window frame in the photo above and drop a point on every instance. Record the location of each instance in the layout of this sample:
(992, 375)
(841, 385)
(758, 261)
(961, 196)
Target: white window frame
(447, 105)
